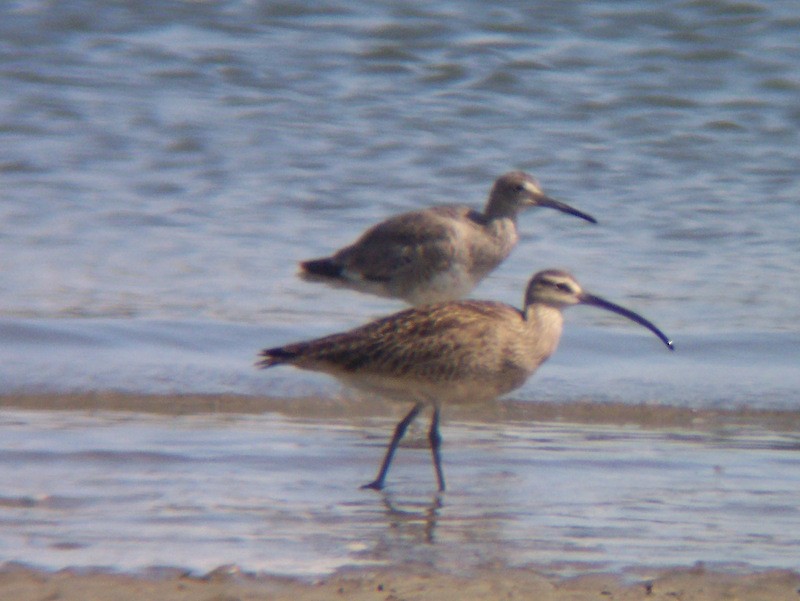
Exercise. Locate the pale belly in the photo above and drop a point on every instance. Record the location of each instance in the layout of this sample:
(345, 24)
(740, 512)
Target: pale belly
(462, 391)
(450, 285)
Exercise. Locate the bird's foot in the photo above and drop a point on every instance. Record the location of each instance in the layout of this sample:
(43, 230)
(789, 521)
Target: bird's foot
(374, 485)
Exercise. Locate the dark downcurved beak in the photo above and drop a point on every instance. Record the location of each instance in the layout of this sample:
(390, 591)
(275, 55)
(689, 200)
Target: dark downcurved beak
(552, 203)
(596, 301)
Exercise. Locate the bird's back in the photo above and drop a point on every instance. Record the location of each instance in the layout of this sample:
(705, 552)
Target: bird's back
(457, 351)
(425, 256)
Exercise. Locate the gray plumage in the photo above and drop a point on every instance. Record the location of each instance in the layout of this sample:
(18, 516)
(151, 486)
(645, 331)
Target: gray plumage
(436, 254)
(452, 352)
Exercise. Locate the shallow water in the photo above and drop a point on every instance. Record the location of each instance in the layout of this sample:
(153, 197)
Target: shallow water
(175, 160)
(630, 456)
(747, 369)
(163, 166)
(278, 495)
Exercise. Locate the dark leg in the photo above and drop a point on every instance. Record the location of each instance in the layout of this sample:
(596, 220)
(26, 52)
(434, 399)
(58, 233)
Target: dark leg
(399, 430)
(436, 442)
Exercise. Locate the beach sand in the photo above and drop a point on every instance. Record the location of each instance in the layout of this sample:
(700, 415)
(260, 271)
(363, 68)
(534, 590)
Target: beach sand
(507, 410)
(24, 584)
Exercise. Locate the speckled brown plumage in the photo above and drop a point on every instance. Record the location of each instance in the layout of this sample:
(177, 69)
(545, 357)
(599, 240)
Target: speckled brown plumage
(453, 352)
(434, 345)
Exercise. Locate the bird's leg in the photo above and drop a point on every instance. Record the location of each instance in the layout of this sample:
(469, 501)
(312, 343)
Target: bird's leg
(399, 431)
(435, 439)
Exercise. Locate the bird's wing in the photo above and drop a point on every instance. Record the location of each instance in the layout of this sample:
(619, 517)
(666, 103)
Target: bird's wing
(408, 245)
(412, 342)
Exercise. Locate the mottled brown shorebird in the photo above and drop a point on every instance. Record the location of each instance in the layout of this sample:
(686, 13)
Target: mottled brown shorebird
(437, 254)
(452, 352)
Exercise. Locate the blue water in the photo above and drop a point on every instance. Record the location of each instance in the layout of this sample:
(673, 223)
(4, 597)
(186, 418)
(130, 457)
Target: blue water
(175, 160)
(163, 167)
(272, 494)
(746, 370)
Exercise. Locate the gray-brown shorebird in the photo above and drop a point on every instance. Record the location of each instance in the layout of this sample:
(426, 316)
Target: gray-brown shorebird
(436, 254)
(452, 352)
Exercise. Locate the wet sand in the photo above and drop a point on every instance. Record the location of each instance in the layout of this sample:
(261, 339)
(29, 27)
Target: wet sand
(24, 584)
(647, 415)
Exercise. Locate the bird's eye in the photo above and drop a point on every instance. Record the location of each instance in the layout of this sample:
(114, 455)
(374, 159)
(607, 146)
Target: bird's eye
(562, 287)
(519, 188)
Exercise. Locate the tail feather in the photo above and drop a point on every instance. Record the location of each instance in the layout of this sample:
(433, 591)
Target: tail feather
(275, 356)
(326, 268)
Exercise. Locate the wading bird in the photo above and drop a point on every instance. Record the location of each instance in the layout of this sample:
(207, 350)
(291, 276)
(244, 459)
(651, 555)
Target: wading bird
(436, 254)
(451, 352)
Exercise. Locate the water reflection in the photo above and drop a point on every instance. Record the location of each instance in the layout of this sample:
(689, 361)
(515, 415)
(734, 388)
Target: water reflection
(539, 493)
(412, 520)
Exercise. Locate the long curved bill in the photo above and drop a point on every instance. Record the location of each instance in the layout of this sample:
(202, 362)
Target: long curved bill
(596, 301)
(552, 203)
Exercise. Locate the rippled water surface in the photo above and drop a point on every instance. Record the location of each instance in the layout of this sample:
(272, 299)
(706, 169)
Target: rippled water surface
(281, 496)
(176, 159)
(164, 165)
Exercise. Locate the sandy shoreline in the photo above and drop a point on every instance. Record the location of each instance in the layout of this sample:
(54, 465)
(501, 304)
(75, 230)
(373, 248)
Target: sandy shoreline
(645, 415)
(25, 584)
